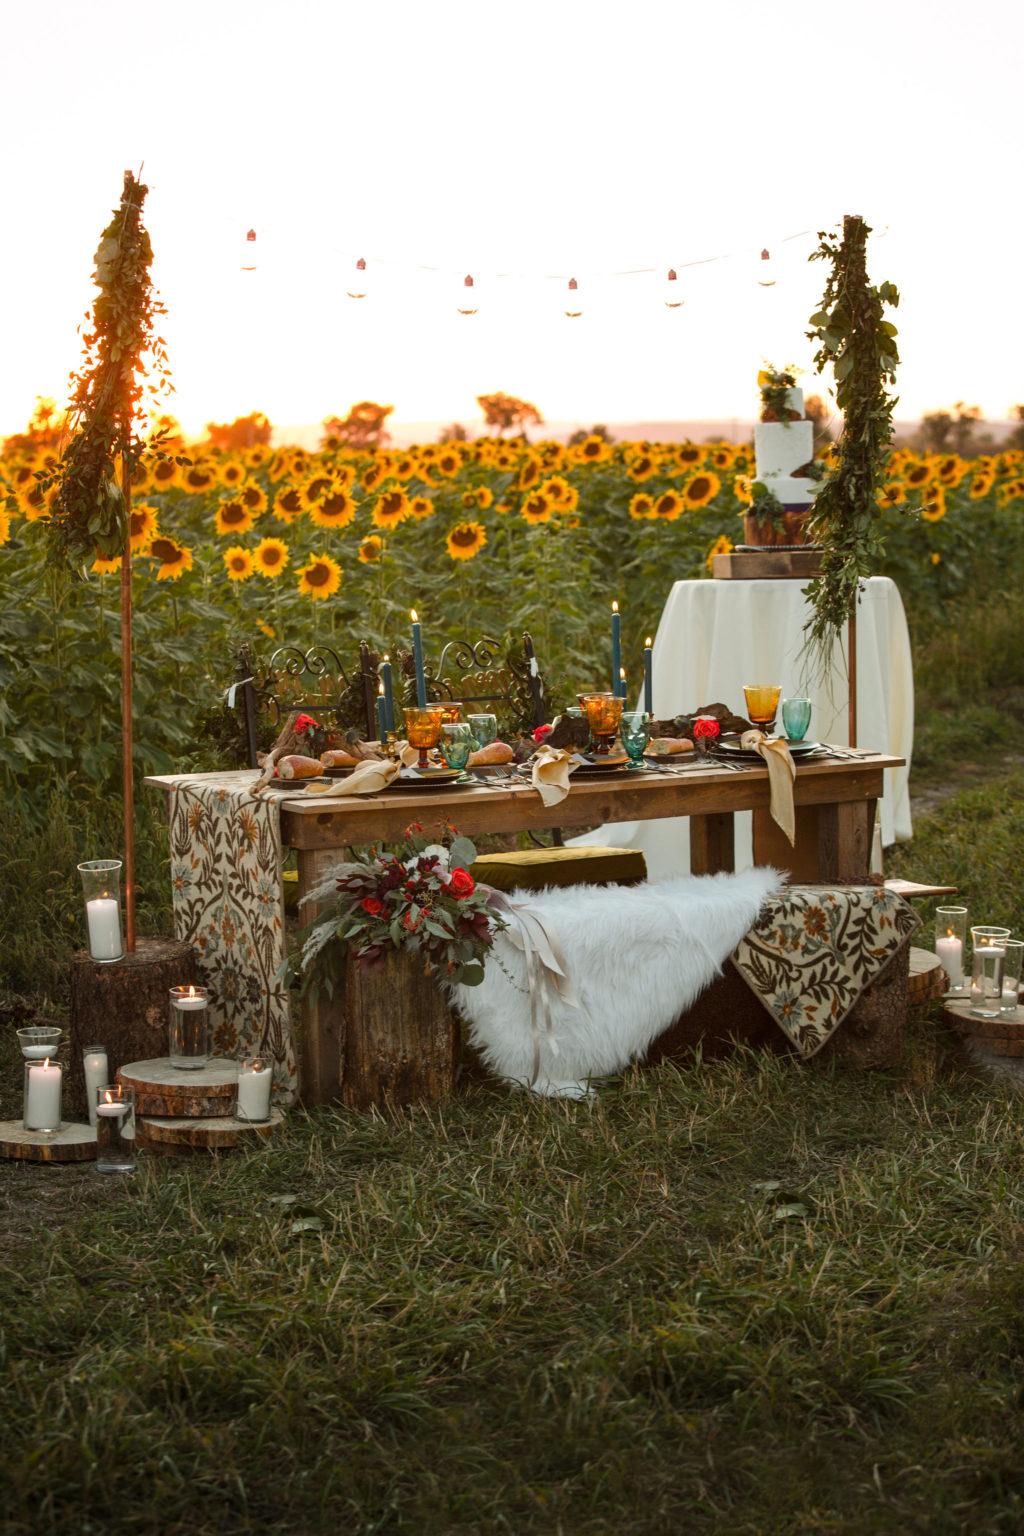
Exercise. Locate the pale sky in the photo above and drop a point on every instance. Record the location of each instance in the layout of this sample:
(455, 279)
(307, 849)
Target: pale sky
(536, 139)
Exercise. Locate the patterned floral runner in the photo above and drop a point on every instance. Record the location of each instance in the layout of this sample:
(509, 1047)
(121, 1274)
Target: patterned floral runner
(229, 905)
(813, 952)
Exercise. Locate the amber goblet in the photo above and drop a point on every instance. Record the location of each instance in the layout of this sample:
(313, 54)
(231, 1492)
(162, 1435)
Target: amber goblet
(604, 711)
(423, 730)
(762, 704)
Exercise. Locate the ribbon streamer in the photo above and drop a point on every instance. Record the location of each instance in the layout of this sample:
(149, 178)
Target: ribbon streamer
(546, 969)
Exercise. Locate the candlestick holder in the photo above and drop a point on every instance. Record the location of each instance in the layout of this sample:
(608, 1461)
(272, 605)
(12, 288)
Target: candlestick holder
(41, 1103)
(255, 1080)
(188, 1028)
(101, 887)
(604, 711)
(950, 941)
(115, 1128)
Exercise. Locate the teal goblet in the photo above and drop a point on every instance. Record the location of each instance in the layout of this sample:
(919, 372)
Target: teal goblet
(484, 728)
(796, 717)
(456, 745)
(635, 731)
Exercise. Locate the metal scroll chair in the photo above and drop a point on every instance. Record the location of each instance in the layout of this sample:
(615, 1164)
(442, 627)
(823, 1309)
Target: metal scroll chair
(315, 680)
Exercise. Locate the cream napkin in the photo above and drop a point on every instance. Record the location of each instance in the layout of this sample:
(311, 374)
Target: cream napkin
(368, 779)
(781, 773)
(551, 769)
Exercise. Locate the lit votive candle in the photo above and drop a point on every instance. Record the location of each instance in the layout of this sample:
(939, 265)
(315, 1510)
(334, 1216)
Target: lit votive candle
(42, 1096)
(104, 928)
(951, 952)
(94, 1064)
(255, 1077)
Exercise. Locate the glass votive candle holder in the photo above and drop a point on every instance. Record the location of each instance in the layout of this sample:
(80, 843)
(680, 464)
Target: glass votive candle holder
(115, 1128)
(950, 940)
(255, 1080)
(1012, 962)
(189, 1028)
(97, 1071)
(39, 1041)
(41, 1104)
(101, 887)
(988, 951)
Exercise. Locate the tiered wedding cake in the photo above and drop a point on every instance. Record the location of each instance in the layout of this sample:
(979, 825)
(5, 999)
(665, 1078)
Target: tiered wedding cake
(780, 448)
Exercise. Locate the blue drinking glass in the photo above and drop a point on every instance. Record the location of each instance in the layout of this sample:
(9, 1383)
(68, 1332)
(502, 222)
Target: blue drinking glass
(456, 745)
(796, 717)
(635, 733)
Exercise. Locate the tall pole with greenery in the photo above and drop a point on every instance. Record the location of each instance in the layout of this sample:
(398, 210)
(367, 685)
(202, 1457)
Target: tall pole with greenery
(859, 343)
(92, 512)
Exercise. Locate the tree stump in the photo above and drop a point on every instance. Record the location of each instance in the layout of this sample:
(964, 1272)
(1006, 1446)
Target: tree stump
(123, 1006)
(185, 1135)
(161, 1089)
(400, 1039)
(71, 1144)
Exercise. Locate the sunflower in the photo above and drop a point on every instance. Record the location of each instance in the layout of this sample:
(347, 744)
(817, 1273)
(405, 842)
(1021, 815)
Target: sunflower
(641, 467)
(934, 505)
(371, 549)
(288, 506)
(35, 503)
(689, 454)
(22, 475)
(505, 459)
(391, 507)
(721, 546)
(199, 477)
(641, 506)
(536, 508)
(936, 557)
(320, 577)
(592, 450)
(253, 497)
(466, 540)
(232, 472)
(951, 471)
(562, 496)
(980, 486)
(528, 476)
(892, 494)
(668, 506)
(404, 467)
(700, 489)
(234, 516)
(722, 457)
(164, 475)
(104, 567)
(743, 489)
(335, 509)
(143, 526)
(238, 562)
(174, 558)
(481, 497)
(316, 486)
(449, 462)
(1012, 491)
(270, 556)
(918, 474)
(373, 475)
(420, 507)
(5, 527)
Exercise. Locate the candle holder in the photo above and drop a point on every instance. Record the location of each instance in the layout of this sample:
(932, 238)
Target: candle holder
(97, 1071)
(1011, 974)
(44, 1081)
(423, 731)
(115, 1128)
(255, 1080)
(39, 1041)
(188, 1030)
(604, 711)
(988, 952)
(101, 886)
(950, 939)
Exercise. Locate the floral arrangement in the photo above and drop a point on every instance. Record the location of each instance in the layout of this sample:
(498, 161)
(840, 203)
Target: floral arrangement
(421, 897)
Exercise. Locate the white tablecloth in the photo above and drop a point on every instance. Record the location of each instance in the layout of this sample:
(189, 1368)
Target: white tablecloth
(714, 636)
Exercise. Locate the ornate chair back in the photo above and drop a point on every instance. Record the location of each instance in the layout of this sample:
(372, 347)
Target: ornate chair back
(316, 680)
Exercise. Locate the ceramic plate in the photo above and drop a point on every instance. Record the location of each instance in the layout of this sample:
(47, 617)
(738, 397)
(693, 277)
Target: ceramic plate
(731, 748)
(441, 778)
(588, 766)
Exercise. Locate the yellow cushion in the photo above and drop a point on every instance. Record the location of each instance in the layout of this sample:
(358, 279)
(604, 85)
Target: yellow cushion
(533, 868)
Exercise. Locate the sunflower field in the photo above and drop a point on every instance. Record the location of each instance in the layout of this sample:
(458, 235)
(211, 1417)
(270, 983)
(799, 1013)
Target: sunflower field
(274, 547)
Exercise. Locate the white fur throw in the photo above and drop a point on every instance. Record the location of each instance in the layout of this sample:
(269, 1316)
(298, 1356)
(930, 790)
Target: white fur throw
(637, 957)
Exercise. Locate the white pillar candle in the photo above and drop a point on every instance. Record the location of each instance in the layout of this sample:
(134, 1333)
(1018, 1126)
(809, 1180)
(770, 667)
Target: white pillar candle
(42, 1100)
(951, 952)
(104, 928)
(254, 1093)
(97, 1073)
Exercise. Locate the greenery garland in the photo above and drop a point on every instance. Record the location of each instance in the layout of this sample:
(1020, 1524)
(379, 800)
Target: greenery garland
(89, 515)
(859, 343)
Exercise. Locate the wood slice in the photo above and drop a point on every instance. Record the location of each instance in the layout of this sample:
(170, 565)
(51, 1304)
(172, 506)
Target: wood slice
(160, 1089)
(180, 1135)
(123, 1006)
(927, 980)
(73, 1143)
(1008, 1027)
(400, 1039)
(765, 565)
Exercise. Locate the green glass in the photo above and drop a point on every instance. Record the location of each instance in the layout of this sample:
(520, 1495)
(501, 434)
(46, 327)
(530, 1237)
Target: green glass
(457, 742)
(796, 717)
(484, 728)
(635, 731)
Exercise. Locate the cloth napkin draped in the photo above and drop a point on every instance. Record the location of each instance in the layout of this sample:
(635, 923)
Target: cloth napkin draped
(368, 779)
(781, 774)
(550, 774)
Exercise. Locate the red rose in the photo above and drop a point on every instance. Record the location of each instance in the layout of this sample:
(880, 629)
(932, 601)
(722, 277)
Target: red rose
(373, 905)
(542, 731)
(461, 883)
(305, 723)
(706, 725)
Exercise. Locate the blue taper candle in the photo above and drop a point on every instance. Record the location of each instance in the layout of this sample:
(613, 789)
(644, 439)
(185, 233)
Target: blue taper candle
(648, 677)
(382, 714)
(417, 656)
(616, 646)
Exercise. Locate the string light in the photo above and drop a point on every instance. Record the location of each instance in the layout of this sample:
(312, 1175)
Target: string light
(766, 271)
(358, 287)
(574, 304)
(249, 264)
(673, 291)
(466, 304)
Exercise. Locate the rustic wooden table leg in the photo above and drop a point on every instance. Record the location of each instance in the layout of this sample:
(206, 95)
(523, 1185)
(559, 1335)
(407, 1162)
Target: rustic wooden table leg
(322, 1029)
(712, 843)
(844, 839)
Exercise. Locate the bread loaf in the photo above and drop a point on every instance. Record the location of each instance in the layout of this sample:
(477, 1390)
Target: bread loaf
(669, 746)
(494, 752)
(335, 757)
(295, 766)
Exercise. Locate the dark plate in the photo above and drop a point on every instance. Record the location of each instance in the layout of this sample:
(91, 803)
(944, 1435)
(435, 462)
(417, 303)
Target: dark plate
(446, 778)
(731, 748)
(588, 767)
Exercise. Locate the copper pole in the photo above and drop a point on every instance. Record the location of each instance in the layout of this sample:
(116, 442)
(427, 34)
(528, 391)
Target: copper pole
(128, 781)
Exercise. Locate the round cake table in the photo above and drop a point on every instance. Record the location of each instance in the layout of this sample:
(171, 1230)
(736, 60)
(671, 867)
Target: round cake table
(714, 636)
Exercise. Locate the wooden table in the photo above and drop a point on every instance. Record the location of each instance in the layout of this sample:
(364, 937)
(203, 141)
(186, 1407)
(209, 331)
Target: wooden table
(835, 801)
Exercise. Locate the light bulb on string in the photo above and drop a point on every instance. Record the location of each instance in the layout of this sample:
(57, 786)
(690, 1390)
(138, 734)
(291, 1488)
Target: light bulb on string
(673, 297)
(249, 254)
(467, 303)
(766, 270)
(358, 285)
(573, 303)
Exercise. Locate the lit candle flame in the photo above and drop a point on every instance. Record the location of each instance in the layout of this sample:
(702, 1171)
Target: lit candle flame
(413, 616)
(380, 689)
(615, 607)
(108, 1097)
(191, 991)
(648, 641)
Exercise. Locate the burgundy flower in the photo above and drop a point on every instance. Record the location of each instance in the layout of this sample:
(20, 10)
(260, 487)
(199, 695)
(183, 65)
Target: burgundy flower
(461, 883)
(372, 905)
